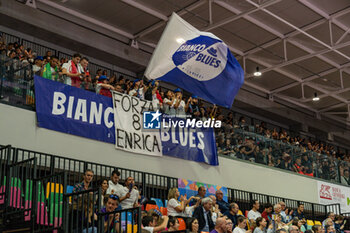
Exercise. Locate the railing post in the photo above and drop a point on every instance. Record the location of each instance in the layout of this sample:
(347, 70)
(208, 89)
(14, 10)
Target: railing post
(144, 186)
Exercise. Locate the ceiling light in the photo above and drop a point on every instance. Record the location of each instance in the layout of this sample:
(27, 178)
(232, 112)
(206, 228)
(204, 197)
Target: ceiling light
(316, 98)
(180, 40)
(257, 73)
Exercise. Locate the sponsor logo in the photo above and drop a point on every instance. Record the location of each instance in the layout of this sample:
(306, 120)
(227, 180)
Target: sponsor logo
(151, 120)
(325, 192)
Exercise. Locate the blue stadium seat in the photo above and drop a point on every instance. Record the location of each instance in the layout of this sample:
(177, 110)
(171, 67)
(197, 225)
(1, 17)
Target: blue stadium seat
(158, 201)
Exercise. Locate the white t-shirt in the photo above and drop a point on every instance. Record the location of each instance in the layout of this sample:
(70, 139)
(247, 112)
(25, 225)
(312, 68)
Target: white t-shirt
(253, 215)
(116, 189)
(172, 204)
(129, 202)
(180, 111)
(150, 229)
(238, 230)
(141, 95)
(168, 109)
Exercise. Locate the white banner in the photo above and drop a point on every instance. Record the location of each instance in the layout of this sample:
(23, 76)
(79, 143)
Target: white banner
(329, 193)
(129, 132)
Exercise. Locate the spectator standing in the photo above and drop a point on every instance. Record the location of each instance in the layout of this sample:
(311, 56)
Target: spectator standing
(70, 69)
(50, 70)
(113, 185)
(86, 183)
(103, 88)
(345, 179)
(130, 195)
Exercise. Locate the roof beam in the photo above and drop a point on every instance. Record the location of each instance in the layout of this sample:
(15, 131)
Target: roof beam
(301, 31)
(87, 18)
(146, 9)
(181, 12)
(312, 54)
(296, 32)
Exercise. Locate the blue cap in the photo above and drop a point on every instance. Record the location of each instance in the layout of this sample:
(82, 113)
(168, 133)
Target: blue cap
(153, 82)
(39, 58)
(194, 97)
(102, 77)
(177, 90)
(136, 80)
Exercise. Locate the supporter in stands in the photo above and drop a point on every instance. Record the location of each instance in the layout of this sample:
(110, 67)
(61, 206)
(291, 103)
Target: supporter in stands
(192, 225)
(330, 229)
(173, 224)
(70, 69)
(329, 220)
(88, 220)
(111, 221)
(215, 209)
(168, 103)
(345, 179)
(113, 186)
(193, 107)
(203, 214)
(220, 226)
(138, 89)
(104, 187)
(130, 195)
(85, 73)
(102, 86)
(254, 213)
(277, 210)
(286, 215)
(232, 213)
(293, 229)
(179, 105)
(175, 207)
(241, 225)
(279, 223)
(339, 224)
(38, 64)
(267, 213)
(51, 70)
(261, 226)
(317, 229)
(149, 224)
(299, 212)
(223, 205)
(86, 183)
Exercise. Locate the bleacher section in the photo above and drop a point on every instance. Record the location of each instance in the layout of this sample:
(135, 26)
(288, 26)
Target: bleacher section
(34, 192)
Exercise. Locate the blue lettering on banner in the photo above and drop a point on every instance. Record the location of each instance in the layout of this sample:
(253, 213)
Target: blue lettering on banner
(75, 111)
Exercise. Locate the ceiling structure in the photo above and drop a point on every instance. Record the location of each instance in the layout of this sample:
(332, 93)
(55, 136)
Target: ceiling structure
(302, 47)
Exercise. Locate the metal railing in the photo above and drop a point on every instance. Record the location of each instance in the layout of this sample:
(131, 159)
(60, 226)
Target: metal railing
(256, 148)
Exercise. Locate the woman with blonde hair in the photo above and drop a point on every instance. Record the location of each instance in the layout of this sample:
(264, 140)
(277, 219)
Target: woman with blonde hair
(175, 207)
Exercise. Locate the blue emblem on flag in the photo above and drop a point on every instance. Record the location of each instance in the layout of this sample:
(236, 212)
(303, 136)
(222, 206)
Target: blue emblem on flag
(203, 64)
(151, 120)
